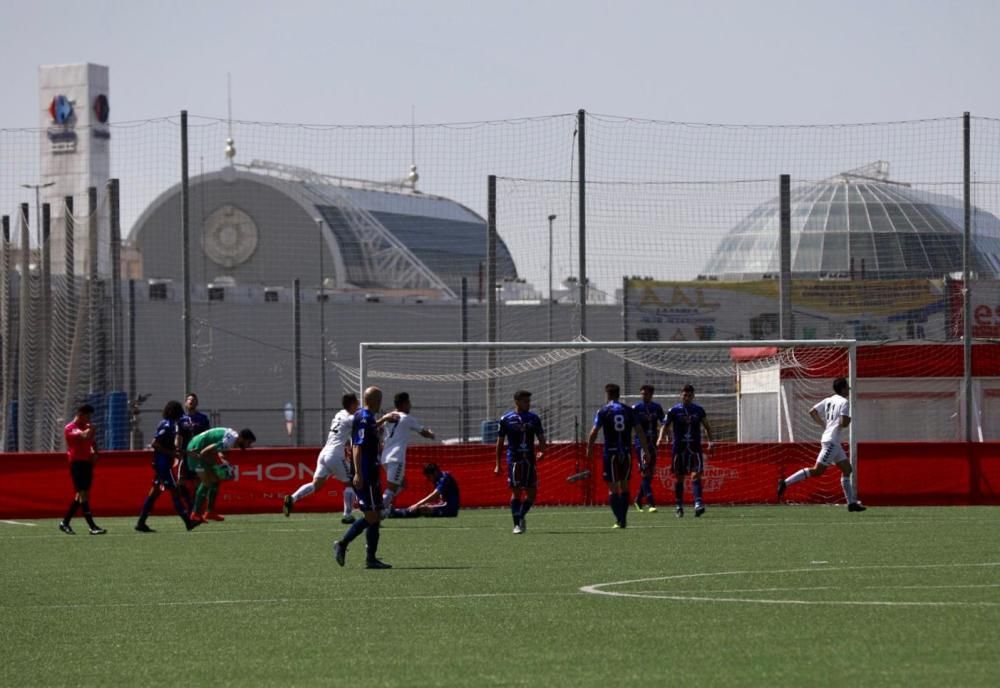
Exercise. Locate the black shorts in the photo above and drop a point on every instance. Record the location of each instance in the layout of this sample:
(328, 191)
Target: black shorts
(686, 461)
(82, 473)
(445, 511)
(617, 467)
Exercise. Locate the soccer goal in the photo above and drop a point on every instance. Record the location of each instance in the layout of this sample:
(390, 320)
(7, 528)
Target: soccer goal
(757, 395)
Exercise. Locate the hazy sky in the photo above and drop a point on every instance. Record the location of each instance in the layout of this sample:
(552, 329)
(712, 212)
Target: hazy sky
(323, 61)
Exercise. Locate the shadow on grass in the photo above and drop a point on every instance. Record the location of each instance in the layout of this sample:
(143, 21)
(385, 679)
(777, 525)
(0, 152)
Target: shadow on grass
(433, 568)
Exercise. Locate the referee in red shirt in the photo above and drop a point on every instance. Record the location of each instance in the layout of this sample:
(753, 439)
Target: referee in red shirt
(82, 452)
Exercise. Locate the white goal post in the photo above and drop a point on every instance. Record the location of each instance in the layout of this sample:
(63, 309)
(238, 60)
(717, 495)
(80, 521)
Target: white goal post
(409, 363)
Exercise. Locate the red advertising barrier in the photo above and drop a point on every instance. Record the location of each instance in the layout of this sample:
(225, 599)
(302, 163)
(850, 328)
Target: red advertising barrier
(890, 473)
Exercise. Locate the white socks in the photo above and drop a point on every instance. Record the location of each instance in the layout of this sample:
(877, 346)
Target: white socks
(797, 476)
(303, 491)
(348, 500)
(387, 500)
(845, 482)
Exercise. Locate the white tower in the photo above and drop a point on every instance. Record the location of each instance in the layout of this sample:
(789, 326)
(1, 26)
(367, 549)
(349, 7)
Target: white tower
(75, 154)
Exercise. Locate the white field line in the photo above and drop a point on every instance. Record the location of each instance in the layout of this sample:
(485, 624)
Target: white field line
(599, 588)
(286, 600)
(19, 523)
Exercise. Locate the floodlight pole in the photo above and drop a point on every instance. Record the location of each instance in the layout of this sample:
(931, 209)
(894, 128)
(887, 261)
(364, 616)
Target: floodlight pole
(38, 216)
(322, 328)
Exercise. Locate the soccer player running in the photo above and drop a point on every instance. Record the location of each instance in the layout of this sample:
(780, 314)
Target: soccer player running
(367, 482)
(192, 423)
(519, 429)
(833, 414)
(399, 425)
(683, 427)
(164, 447)
(82, 452)
(649, 414)
(617, 421)
(206, 456)
(334, 459)
(442, 502)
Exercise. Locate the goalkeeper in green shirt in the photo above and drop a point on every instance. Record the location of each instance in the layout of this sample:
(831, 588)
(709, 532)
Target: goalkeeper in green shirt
(206, 456)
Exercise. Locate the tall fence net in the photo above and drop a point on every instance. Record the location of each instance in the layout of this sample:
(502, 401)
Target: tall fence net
(380, 226)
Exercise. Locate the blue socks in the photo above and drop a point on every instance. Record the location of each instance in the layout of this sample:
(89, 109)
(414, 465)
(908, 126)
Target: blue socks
(355, 530)
(696, 489)
(679, 491)
(372, 538)
(515, 510)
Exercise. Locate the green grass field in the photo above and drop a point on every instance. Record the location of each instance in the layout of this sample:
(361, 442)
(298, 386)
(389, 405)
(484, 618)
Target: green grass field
(743, 596)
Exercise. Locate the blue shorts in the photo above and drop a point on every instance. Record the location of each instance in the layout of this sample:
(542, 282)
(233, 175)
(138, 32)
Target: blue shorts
(163, 475)
(370, 496)
(647, 463)
(446, 511)
(522, 474)
(687, 461)
(617, 467)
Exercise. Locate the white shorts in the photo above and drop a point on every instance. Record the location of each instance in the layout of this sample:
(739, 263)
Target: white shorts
(831, 453)
(394, 471)
(333, 461)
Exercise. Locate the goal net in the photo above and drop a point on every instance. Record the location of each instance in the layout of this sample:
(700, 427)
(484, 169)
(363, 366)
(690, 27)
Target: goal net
(757, 396)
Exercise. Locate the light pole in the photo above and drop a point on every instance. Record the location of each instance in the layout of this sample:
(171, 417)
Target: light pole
(38, 214)
(322, 326)
(551, 220)
(549, 420)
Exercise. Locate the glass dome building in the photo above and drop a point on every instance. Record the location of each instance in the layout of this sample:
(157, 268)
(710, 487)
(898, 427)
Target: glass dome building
(860, 224)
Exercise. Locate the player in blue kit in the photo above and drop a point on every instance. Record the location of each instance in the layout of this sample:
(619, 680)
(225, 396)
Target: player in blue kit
(192, 423)
(649, 414)
(519, 429)
(367, 481)
(442, 502)
(617, 421)
(683, 427)
(164, 447)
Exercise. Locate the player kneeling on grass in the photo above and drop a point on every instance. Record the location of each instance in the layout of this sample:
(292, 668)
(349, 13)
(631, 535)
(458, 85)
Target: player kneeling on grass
(833, 414)
(399, 425)
(442, 502)
(164, 447)
(334, 459)
(206, 456)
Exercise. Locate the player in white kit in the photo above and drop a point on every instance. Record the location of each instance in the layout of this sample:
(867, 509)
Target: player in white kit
(395, 439)
(333, 460)
(833, 414)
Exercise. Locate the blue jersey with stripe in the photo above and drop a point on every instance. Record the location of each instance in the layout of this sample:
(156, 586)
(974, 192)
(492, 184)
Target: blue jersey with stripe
(448, 489)
(520, 431)
(617, 421)
(649, 416)
(686, 420)
(165, 435)
(364, 434)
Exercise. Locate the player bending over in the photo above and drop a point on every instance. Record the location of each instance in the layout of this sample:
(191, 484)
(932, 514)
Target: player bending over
(441, 502)
(617, 421)
(519, 429)
(334, 459)
(833, 414)
(206, 456)
(683, 427)
(399, 425)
